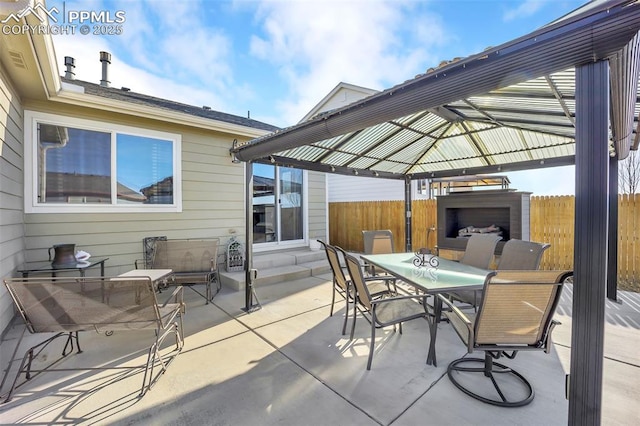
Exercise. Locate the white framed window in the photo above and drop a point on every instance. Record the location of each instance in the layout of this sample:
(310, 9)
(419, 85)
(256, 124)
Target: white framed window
(422, 189)
(87, 166)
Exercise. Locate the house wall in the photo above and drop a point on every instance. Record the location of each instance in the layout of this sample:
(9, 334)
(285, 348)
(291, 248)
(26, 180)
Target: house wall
(12, 228)
(318, 207)
(212, 200)
(345, 96)
(353, 188)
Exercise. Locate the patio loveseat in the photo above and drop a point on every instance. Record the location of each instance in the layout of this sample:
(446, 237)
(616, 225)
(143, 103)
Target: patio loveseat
(193, 261)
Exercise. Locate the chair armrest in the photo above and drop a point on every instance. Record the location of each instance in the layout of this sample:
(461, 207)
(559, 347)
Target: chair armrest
(455, 310)
(389, 281)
(463, 319)
(380, 278)
(386, 278)
(547, 339)
(420, 298)
(176, 295)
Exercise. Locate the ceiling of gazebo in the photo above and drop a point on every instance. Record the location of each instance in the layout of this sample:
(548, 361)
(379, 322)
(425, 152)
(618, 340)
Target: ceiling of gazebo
(528, 121)
(511, 107)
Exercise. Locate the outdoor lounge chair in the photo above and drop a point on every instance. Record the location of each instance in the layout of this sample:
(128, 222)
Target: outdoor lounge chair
(515, 315)
(68, 305)
(383, 312)
(377, 287)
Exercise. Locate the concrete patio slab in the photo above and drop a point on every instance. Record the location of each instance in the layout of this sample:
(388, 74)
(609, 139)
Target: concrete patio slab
(289, 364)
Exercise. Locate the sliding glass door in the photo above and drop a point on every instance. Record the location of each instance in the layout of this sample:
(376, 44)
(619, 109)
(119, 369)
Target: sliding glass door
(278, 204)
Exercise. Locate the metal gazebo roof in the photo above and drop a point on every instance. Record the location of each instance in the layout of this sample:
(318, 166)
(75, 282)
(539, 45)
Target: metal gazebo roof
(507, 108)
(511, 107)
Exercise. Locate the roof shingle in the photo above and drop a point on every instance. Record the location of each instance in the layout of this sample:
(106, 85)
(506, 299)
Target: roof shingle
(151, 101)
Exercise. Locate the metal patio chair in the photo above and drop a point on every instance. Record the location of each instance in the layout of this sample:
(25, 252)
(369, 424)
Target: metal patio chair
(479, 250)
(521, 255)
(516, 255)
(516, 314)
(478, 253)
(377, 242)
(378, 287)
(383, 312)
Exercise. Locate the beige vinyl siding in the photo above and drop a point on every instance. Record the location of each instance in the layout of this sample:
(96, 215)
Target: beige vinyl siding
(358, 188)
(12, 228)
(212, 201)
(317, 206)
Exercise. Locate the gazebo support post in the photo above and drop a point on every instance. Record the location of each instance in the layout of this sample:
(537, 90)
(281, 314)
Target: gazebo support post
(407, 214)
(590, 245)
(612, 274)
(249, 272)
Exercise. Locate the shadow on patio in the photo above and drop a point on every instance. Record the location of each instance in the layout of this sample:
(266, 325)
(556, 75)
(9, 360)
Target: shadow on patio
(288, 364)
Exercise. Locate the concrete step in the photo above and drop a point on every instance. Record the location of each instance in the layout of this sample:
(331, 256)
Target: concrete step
(278, 267)
(283, 258)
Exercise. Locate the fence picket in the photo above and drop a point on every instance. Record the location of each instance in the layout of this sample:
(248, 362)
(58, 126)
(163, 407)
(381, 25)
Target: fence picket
(551, 221)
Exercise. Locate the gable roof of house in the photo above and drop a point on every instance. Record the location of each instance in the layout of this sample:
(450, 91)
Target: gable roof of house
(510, 107)
(128, 96)
(342, 86)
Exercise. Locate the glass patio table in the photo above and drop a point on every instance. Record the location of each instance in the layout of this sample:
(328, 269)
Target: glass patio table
(432, 275)
(48, 267)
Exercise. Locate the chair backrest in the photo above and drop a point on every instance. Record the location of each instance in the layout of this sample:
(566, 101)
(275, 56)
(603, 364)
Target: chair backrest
(479, 251)
(517, 307)
(521, 255)
(85, 303)
(186, 255)
(334, 263)
(357, 278)
(149, 250)
(378, 242)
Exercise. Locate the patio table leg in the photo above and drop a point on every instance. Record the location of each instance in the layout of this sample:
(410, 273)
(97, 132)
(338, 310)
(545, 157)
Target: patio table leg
(433, 330)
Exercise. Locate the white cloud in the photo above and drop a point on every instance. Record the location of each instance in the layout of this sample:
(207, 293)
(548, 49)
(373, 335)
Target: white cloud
(175, 50)
(166, 50)
(315, 45)
(524, 10)
(88, 68)
(181, 43)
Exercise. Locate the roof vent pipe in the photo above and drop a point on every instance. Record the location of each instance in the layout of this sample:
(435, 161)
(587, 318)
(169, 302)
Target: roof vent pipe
(105, 58)
(70, 63)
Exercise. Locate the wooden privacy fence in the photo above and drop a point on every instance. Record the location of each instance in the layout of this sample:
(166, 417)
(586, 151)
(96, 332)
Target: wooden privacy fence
(551, 221)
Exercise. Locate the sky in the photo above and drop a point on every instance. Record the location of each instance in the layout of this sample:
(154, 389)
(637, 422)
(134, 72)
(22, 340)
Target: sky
(274, 60)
